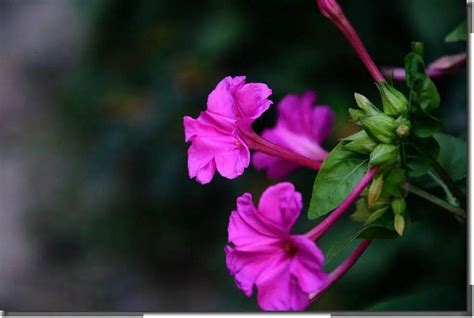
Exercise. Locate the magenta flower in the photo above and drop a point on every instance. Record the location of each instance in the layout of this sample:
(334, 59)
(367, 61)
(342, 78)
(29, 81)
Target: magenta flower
(286, 269)
(301, 127)
(216, 135)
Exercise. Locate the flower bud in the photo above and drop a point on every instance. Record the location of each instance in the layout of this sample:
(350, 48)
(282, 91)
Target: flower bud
(375, 215)
(393, 101)
(375, 190)
(399, 206)
(365, 104)
(382, 154)
(361, 143)
(403, 129)
(330, 9)
(380, 126)
(356, 114)
(399, 224)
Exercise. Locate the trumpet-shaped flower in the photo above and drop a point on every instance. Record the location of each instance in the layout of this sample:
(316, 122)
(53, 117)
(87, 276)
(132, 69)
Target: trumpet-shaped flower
(261, 252)
(216, 142)
(301, 127)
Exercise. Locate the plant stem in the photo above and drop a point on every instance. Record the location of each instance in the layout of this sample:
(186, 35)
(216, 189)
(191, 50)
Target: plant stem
(257, 143)
(315, 233)
(331, 10)
(435, 200)
(449, 196)
(343, 268)
(441, 172)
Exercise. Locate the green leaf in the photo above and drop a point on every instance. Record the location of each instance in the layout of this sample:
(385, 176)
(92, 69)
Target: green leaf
(394, 181)
(426, 94)
(413, 64)
(416, 164)
(425, 125)
(458, 34)
(382, 228)
(339, 174)
(423, 92)
(452, 155)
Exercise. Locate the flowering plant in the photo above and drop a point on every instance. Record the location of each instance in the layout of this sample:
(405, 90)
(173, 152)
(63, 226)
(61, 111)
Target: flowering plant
(397, 153)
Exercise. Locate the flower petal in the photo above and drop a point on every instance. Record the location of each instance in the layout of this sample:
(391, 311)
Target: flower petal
(300, 127)
(214, 146)
(277, 290)
(247, 231)
(252, 99)
(276, 168)
(294, 112)
(234, 99)
(232, 162)
(307, 265)
(221, 100)
(281, 204)
(246, 267)
(322, 123)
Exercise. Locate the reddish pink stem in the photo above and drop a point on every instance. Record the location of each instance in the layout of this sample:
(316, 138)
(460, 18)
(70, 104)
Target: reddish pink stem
(331, 10)
(315, 233)
(257, 143)
(342, 269)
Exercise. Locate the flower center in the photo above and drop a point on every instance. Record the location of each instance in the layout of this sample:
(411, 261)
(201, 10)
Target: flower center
(290, 249)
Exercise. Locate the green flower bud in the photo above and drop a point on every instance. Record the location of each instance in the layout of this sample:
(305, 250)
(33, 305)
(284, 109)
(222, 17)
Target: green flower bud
(375, 215)
(360, 143)
(375, 190)
(393, 101)
(381, 127)
(356, 114)
(382, 154)
(365, 104)
(399, 206)
(399, 224)
(404, 126)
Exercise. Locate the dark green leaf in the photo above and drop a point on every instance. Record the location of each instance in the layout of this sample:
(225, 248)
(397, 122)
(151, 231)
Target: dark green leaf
(339, 174)
(394, 181)
(424, 125)
(382, 228)
(452, 155)
(416, 163)
(426, 94)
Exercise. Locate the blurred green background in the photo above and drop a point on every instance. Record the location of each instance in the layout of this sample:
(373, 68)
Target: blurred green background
(98, 209)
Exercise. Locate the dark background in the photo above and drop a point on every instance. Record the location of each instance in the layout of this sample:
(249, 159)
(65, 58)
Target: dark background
(97, 212)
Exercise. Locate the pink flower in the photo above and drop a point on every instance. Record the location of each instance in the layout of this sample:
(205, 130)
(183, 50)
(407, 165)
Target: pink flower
(301, 128)
(285, 268)
(215, 136)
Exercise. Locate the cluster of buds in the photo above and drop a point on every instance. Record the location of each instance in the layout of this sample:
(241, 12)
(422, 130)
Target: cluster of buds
(382, 130)
(381, 137)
